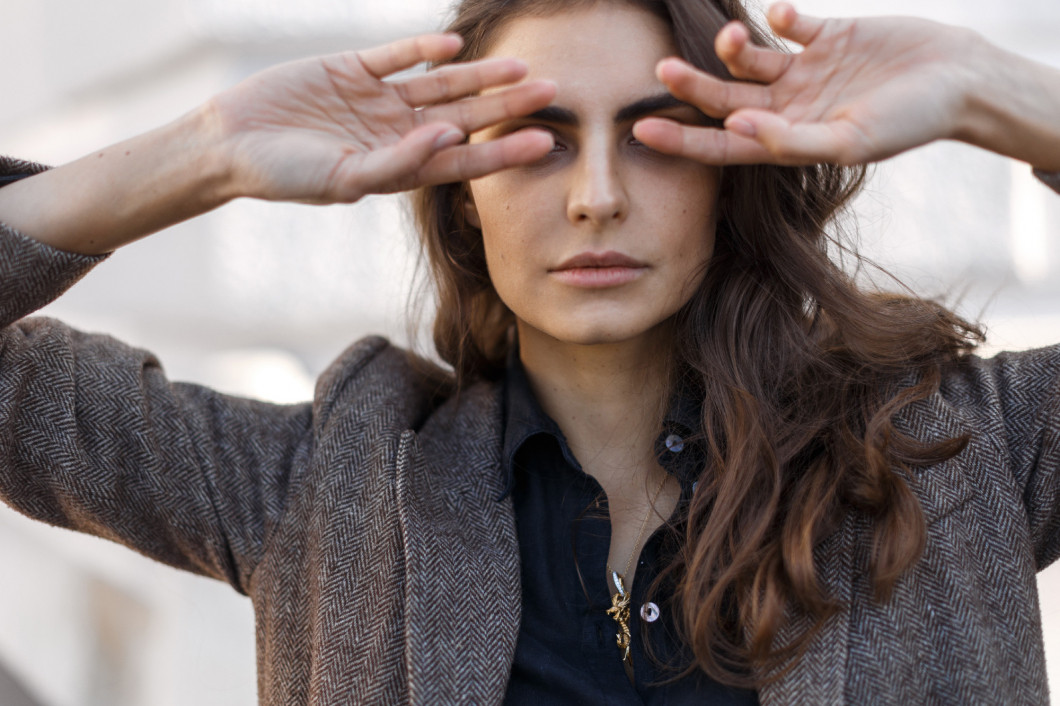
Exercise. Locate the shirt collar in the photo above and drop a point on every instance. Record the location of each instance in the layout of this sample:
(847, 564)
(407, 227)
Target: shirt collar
(676, 447)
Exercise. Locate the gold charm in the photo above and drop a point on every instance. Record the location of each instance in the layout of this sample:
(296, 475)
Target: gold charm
(619, 611)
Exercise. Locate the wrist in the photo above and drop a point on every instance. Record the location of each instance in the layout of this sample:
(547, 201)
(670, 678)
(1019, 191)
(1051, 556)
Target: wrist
(1010, 104)
(981, 108)
(123, 192)
(200, 139)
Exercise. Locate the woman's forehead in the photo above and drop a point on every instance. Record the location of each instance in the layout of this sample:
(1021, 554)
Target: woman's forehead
(589, 26)
(587, 49)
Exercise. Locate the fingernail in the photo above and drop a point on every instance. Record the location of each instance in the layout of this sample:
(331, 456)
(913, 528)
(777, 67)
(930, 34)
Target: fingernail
(448, 138)
(740, 127)
(660, 68)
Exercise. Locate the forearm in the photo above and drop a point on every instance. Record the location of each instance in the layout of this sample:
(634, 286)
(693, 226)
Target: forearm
(123, 192)
(1014, 108)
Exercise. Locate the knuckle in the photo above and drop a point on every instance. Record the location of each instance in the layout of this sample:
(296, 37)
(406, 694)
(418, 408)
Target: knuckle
(727, 94)
(726, 149)
(446, 82)
(723, 148)
(465, 114)
(466, 163)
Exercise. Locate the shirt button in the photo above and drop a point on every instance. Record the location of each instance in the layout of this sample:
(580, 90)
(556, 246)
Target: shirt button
(649, 612)
(675, 443)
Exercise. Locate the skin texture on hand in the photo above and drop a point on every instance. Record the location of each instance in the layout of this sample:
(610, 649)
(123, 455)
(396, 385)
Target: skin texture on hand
(332, 129)
(861, 90)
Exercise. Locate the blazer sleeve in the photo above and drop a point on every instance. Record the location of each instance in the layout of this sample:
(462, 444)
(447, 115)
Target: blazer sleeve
(1014, 399)
(1030, 384)
(94, 438)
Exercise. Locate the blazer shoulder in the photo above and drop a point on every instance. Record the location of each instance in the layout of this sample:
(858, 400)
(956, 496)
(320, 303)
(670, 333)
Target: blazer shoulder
(1011, 383)
(1011, 405)
(374, 373)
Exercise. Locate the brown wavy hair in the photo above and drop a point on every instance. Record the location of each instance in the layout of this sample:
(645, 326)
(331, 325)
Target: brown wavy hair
(800, 372)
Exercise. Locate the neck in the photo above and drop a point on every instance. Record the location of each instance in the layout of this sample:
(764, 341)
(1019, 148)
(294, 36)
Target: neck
(608, 399)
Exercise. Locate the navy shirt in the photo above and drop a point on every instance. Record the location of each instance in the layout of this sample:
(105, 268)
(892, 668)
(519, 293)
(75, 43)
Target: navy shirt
(566, 652)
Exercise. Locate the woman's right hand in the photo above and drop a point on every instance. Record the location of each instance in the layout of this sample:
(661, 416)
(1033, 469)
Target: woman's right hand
(331, 129)
(861, 90)
(321, 130)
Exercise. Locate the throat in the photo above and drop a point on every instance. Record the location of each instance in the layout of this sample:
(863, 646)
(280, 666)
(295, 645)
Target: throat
(635, 516)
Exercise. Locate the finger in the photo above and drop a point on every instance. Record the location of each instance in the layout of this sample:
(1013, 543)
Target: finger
(704, 144)
(789, 24)
(406, 53)
(479, 159)
(473, 114)
(715, 97)
(397, 163)
(834, 142)
(747, 61)
(459, 80)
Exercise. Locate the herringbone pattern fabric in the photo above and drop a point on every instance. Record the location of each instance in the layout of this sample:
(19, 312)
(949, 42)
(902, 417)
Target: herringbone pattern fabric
(364, 529)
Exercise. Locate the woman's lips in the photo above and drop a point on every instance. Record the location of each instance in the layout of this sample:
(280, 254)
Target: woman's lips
(598, 270)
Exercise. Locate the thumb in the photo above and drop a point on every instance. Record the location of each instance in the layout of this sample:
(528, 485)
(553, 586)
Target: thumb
(797, 143)
(424, 142)
(387, 169)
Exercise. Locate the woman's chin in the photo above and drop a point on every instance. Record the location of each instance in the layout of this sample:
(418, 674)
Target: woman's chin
(594, 331)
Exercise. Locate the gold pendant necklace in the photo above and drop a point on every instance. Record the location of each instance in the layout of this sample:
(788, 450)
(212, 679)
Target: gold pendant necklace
(619, 610)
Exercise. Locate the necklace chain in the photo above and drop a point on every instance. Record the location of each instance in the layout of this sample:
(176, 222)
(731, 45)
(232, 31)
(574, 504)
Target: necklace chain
(619, 609)
(643, 526)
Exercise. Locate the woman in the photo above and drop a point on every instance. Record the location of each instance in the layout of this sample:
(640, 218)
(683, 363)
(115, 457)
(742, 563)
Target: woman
(645, 335)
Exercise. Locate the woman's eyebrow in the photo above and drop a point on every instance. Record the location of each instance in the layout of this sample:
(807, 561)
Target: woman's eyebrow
(555, 114)
(641, 108)
(649, 106)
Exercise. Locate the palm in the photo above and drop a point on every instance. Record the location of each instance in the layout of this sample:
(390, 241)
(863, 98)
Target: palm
(860, 91)
(303, 144)
(865, 100)
(330, 129)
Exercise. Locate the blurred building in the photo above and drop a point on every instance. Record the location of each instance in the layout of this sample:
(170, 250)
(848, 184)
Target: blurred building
(256, 298)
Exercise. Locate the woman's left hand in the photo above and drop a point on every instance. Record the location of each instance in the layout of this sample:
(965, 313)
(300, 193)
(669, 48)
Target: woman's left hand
(862, 90)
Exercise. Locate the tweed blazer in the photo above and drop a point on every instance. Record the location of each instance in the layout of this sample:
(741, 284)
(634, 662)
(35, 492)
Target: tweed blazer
(365, 526)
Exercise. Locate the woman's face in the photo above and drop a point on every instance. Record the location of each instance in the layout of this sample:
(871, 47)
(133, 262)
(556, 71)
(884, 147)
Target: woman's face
(604, 239)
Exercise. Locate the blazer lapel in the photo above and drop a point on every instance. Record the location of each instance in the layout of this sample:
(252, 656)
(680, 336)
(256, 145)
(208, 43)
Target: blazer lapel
(463, 594)
(820, 676)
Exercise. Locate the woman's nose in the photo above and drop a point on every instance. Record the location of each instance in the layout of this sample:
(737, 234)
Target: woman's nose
(597, 195)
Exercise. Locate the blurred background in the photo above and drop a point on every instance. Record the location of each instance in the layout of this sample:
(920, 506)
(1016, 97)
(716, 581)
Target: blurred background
(256, 299)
